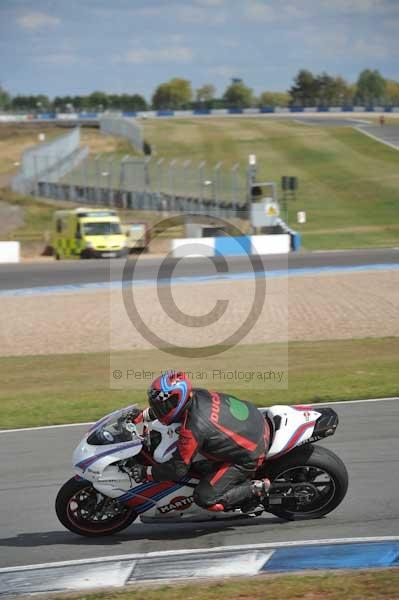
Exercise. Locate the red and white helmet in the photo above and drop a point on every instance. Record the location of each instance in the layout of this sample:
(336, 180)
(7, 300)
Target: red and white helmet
(168, 396)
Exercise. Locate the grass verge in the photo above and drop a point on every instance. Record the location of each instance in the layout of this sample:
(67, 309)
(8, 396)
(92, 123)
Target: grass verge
(370, 585)
(346, 180)
(48, 390)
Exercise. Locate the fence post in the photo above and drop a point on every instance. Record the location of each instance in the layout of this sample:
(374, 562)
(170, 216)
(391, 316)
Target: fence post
(171, 179)
(201, 180)
(234, 186)
(122, 175)
(160, 174)
(216, 182)
(147, 180)
(109, 181)
(186, 164)
(97, 179)
(36, 176)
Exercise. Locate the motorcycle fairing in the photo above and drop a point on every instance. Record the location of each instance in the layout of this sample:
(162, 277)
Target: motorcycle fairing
(106, 457)
(147, 495)
(293, 425)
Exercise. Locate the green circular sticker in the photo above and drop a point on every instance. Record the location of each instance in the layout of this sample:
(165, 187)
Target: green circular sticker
(238, 409)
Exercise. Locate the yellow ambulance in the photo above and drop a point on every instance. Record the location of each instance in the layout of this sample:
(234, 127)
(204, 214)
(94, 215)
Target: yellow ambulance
(87, 233)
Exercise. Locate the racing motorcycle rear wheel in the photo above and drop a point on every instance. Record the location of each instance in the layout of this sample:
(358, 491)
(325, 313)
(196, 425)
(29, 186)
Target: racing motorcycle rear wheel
(84, 510)
(307, 483)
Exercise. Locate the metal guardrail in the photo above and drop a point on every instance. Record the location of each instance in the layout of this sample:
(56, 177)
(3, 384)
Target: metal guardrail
(140, 200)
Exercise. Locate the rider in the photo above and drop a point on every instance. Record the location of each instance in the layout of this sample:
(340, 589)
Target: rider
(229, 432)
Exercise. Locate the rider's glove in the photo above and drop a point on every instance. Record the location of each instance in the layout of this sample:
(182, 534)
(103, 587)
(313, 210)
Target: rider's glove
(141, 473)
(137, 416)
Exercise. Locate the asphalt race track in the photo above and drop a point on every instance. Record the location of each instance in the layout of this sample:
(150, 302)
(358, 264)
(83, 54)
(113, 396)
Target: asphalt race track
(30, 275)
(36, 463)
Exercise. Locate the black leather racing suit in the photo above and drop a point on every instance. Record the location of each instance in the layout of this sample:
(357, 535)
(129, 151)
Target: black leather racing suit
(232, 434)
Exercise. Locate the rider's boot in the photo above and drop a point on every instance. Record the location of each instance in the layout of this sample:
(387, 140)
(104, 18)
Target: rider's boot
(260, 487)
(254, 504)
(247, 496)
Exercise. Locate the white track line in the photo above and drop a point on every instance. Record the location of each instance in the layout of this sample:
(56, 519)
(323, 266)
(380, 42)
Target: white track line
(316, 404)
(377, 139)
(269, 545)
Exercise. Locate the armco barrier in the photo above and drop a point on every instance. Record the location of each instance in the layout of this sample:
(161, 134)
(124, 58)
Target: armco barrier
(9, 252)
(231, 246)
(225, 561)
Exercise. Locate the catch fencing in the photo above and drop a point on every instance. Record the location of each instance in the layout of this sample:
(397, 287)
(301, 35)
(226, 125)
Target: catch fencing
(124, 127)
(49, 161)
(154, 184)
(60, 170)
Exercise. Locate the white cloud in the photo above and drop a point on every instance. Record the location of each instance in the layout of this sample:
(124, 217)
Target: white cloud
(177, 54)
(326, 42)
(371, 49)
(201, 12)
(199, 15)
(229, 42)
(224, 71)
(37, 20)
(210, 2)
(356, 6)
(257, 11)
(58, 59)
(344, 42)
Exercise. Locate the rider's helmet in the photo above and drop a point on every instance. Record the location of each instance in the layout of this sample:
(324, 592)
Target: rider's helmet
(168, 396)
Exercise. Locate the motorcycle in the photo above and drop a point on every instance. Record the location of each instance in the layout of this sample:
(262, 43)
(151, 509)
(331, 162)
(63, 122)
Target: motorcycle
(307, 481)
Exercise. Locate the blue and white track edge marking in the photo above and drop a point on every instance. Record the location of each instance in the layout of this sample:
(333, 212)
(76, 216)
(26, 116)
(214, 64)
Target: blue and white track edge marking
(216, 549)
(189, 279)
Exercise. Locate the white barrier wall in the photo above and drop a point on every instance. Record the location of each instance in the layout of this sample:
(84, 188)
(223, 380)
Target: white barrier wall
(193, 247)
(231, 246)
(9, 252)
(271, 244)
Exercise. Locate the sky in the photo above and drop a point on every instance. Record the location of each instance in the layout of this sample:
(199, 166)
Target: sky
(61, 47)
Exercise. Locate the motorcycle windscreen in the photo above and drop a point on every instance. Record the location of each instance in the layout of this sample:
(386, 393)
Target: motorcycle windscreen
(114, 430)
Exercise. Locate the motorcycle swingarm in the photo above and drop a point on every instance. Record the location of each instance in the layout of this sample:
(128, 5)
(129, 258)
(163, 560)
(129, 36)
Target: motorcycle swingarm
(278, 496)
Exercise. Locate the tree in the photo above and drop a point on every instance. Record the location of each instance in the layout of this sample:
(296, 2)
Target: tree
(5, 99)
(174, 94)
(344, 92)
(273, 99)
(304, 90)
(38, 103)
(391, 92)
(135, 102)
(238, 95)
(97, 101)
(370, 87)
(205, 93)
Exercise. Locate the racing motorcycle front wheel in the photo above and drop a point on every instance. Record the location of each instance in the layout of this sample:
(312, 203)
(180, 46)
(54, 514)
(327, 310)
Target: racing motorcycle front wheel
(307, 483)
(84, 510)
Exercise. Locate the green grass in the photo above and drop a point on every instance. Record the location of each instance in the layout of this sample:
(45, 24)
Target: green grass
(348, 183)
(14, 139)
(46, 390)
(346, 179)
(365, 585)
(37, 215)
